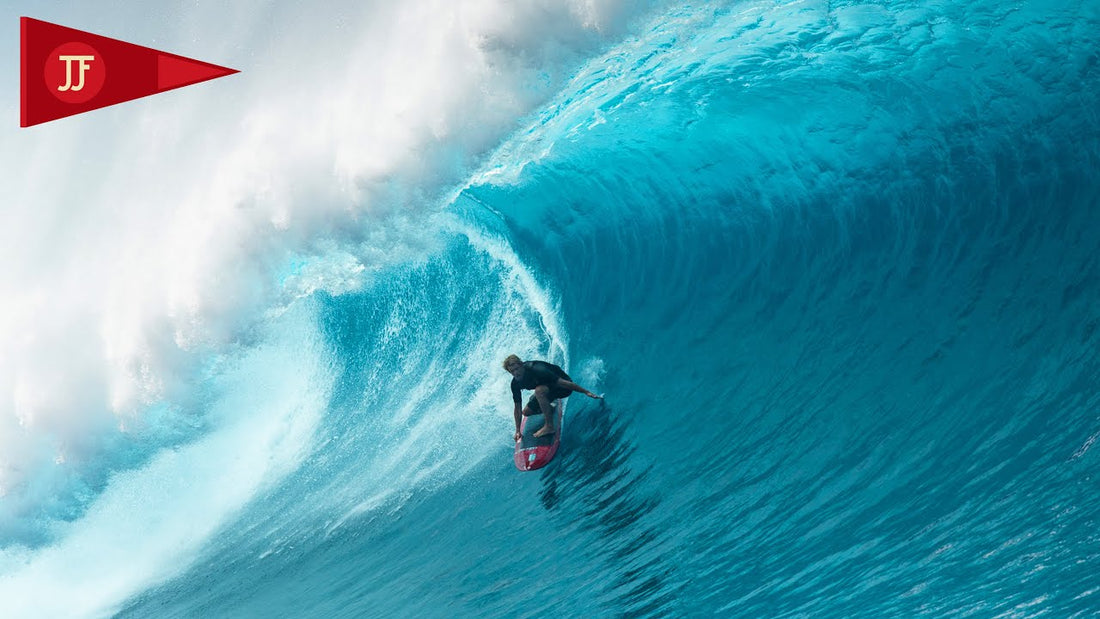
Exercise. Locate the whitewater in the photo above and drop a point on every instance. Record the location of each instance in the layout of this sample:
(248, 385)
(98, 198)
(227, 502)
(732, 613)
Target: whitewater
(834, 265)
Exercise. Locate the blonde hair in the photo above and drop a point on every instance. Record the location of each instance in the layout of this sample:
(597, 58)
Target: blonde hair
(510, 360)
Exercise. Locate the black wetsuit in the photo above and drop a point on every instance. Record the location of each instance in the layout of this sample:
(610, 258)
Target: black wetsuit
(536, 373)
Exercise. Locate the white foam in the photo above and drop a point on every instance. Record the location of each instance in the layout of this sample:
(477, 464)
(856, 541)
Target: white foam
(149, 524)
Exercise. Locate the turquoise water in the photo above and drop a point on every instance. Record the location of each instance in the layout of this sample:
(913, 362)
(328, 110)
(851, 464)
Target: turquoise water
(834, 265)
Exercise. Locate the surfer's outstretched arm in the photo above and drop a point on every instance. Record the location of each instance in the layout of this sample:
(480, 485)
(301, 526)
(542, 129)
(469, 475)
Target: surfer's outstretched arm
(565, 384)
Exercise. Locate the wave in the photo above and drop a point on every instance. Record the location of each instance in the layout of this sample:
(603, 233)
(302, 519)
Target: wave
(834, 265)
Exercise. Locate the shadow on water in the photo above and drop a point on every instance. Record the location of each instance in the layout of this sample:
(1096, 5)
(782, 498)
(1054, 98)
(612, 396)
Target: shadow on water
(599, 489)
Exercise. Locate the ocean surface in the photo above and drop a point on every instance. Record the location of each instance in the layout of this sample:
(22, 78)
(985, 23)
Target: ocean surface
(835, 265)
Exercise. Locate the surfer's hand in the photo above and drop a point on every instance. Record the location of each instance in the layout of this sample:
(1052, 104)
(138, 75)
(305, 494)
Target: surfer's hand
(518, 436)
(594, 396)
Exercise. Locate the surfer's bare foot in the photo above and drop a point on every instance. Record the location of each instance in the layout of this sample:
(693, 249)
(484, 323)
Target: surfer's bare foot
(544, 431)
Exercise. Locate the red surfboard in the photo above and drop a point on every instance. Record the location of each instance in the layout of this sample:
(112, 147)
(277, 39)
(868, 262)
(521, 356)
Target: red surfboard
(534, 453)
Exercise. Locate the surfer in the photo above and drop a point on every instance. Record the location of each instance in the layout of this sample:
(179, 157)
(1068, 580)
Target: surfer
(549, 382)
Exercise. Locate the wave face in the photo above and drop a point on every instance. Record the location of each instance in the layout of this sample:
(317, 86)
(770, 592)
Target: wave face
(834, 265)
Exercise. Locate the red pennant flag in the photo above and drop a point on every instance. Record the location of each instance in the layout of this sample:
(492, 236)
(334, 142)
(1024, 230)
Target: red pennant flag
(64, 71)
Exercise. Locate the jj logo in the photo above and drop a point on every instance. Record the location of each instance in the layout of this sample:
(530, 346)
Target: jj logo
(75, 72)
